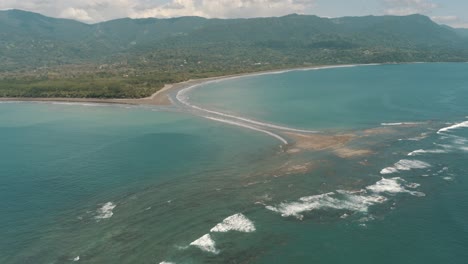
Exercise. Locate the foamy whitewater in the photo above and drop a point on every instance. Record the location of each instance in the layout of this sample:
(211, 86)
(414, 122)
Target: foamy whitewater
(393, 186)
(284, 141)
(452, 127)
(430, 151)
(182, 97)
(206, 243)
(237, 222)
(190, 190)
(405, 165)
(341, 200)
(355, 201)
(105, 211)
(400, 124)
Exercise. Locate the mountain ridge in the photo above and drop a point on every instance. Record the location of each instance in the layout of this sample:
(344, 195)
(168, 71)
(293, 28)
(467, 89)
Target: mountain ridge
(149, 52)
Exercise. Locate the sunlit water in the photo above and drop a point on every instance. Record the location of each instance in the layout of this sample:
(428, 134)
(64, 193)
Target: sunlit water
(113, 184)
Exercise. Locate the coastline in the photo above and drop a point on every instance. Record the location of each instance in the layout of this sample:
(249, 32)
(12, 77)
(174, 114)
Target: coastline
(301, 139)
(160, 97)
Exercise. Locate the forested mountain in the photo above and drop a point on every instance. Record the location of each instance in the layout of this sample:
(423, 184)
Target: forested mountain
(462, 32)
(45, 48)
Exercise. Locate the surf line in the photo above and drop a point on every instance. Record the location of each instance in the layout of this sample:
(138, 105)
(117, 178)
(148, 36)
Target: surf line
(183, 99)
(249, 127)
(180, 97)
(241, 121)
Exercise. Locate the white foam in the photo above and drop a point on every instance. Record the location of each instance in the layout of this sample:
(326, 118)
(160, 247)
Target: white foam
(388, 170)
(417, 194)
(456, 126)
(349, 201)
(237, 222)
(413, 185)
(465, 149)
(166, 262)
(387, 185)
(411, 164)
(422, 151)
(405, 165)
(284, 141)
(182, 97)
(394, 186)
(459, 140)
(77, 258)
(105, 211)
(206, 243)
(263, 124)
(77, 103)
(400, 124)
(418, 138)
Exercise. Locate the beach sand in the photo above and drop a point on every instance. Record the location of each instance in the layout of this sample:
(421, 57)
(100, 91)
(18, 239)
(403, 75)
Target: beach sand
(161, 96)
(301, 141)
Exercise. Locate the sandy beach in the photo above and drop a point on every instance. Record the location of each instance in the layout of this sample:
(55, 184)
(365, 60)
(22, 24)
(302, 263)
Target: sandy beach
(300, 141)
(158, 98)
(161, 96)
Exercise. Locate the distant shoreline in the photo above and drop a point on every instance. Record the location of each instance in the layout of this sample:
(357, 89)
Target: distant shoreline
(160, 97)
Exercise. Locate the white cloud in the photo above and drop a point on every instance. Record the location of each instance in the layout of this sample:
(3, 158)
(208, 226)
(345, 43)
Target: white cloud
(75, 13)
(453, 21)
(99, 10)
(227, 8)
(408, 7)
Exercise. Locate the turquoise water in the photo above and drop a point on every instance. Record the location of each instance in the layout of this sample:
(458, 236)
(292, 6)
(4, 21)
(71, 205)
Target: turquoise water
(112, 184)
(354, 97)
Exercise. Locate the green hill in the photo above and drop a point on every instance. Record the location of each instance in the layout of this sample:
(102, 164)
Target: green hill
(134, 57)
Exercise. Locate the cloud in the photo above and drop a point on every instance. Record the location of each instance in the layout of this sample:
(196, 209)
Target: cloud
(408, 7)
(227, 8)
(453, 21)
(76, 13)
(100, 10)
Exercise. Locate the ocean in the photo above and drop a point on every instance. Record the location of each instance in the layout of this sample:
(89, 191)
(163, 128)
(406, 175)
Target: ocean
(355, 164)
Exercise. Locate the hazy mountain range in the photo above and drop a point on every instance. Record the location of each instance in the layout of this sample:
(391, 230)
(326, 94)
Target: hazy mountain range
(195, 46)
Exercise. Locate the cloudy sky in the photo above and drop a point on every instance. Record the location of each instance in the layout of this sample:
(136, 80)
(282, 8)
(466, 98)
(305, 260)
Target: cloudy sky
(451, 12)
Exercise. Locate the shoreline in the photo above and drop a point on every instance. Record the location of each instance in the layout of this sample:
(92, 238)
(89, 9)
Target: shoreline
(161, 98)
(295, 140)
(311, 141)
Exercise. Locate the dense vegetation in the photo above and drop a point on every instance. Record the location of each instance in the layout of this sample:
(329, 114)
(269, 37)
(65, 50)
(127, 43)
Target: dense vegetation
(48, 57)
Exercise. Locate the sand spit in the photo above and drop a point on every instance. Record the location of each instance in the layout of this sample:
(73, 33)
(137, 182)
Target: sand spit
(158, 98)
(161, 97)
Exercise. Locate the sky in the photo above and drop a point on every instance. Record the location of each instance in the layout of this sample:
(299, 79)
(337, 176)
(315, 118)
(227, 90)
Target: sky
(450, 12)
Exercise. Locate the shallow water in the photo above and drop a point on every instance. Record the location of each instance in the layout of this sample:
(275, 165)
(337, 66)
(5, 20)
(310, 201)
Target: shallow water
(112, 184)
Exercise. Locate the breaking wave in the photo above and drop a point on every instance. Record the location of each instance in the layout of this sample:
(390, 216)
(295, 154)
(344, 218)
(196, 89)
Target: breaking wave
(284, 141)
(237, 222)
(405, 165)
(340, 200)
(400, 124)
(430, 151)
(393, 186)
(105, 211)
(452, 127)
(357, 201)
(206, 243)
